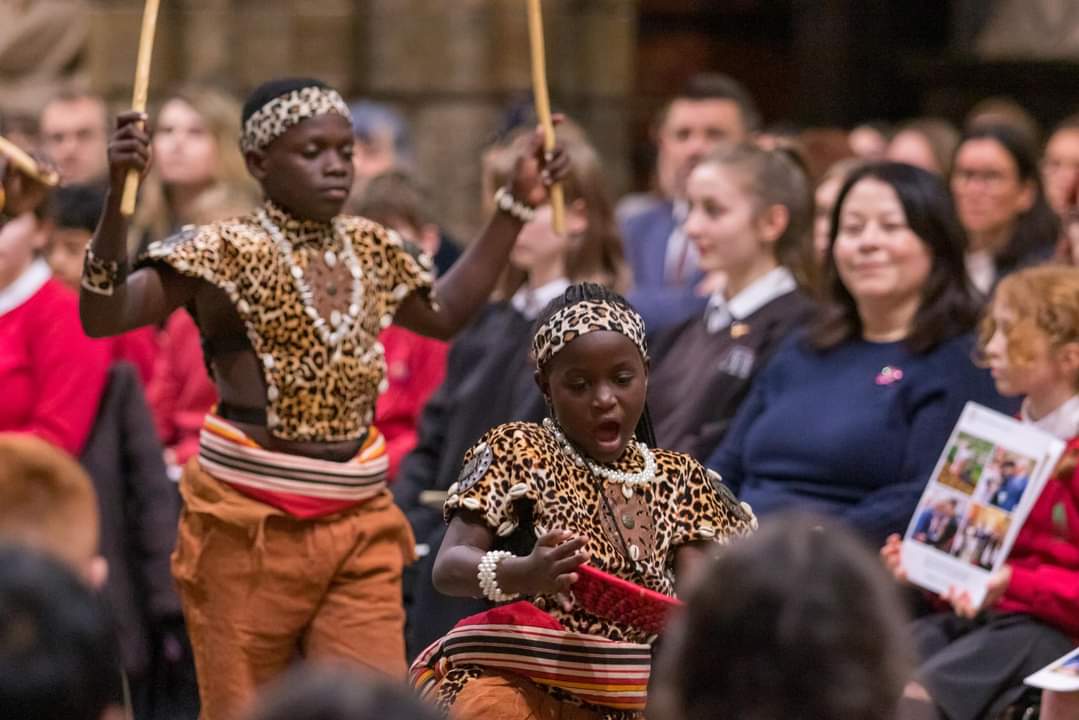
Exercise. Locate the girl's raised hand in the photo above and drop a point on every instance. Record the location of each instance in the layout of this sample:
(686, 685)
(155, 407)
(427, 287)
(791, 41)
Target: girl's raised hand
(551, 566)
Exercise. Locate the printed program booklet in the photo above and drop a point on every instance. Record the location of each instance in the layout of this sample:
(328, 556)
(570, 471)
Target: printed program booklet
(1061, 675)
(986, 481)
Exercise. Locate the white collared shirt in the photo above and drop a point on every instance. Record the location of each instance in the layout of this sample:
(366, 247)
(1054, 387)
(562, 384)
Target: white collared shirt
(721, 312)
(1062, 423)
(24, 286)
(530, 302)
(982, 270)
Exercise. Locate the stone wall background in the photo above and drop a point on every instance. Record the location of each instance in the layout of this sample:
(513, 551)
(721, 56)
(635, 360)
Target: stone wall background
(451, 66)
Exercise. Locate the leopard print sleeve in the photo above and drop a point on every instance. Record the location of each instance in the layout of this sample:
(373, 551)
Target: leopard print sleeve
(403, 268)
(193, 251)
(709, 510)
(494, 481)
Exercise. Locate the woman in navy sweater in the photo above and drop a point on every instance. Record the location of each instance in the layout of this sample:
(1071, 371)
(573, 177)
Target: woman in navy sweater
(848, 418)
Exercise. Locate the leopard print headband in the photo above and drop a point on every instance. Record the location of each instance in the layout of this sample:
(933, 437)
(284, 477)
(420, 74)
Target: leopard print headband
(573, 321)
(275, 117)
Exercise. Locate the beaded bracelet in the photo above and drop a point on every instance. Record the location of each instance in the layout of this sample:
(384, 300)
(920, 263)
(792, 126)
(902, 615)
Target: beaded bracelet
(102, 277)
(486, 575)
(505, 202)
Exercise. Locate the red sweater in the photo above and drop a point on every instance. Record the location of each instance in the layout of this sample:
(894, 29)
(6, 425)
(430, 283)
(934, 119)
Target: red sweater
(138, 347)
(52, 375)
(1045, 557)
(180, 392)
(415, 367)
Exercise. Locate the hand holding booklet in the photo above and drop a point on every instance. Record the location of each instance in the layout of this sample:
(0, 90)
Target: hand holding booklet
(986, 481)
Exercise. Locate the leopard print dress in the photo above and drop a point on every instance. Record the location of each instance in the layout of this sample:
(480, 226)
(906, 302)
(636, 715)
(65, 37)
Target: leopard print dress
(314, 392)
(520, 481)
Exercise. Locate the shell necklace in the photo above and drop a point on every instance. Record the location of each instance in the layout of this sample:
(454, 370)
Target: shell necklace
(628, 481)
(333, 332)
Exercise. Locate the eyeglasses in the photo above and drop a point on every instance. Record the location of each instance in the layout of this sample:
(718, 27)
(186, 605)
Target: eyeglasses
(990, 178)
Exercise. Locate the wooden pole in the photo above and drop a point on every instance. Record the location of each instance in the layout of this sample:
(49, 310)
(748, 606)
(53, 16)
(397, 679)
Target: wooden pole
(23, 162)
(139, 96)
(543, 107)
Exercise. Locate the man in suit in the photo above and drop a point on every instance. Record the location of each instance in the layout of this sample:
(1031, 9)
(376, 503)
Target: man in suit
(710, 110)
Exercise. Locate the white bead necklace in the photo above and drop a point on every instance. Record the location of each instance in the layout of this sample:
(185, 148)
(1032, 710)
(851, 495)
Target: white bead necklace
(334, 332)
(628, 481)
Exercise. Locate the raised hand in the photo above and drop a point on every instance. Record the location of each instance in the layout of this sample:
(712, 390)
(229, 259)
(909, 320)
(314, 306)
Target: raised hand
(551, 566)
(536, 170)
(129, 149)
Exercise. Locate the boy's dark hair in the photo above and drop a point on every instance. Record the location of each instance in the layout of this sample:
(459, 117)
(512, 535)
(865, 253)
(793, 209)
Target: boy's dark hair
(396, 195)
(799, 620)
(334, 693)
(271, 89)
(58, 654)
(76, 207)
(585, 292)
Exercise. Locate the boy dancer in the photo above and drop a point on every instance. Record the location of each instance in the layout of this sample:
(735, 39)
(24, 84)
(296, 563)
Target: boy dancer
(289, 538)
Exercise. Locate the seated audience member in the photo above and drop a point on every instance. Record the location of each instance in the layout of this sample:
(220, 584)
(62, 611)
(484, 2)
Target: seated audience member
(1003, 110)
(824, 198)
(415, 365)
(489, 375)
(974, 658)
(52, 375)
(58, 658)
(999, 200)
(796, 621)
(869, 141)
(73, 211)
(196, 163)
(74, 132)
(383, 143)
(749, 218)
(711, 109)
(1060, 166)
(926, 142)
(336, 693)
(47, 502)
(849, 417)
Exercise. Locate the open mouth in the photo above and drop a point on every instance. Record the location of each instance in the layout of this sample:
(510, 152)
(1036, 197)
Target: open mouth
(608, 432)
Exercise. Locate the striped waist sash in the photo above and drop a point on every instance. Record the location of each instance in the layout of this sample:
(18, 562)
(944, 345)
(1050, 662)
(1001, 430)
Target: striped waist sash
(599, 671)
(229, 455)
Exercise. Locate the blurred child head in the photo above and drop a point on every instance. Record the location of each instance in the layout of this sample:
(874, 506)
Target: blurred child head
(397, 200)
(58, 654)
(336, 693)
(797, 620)
(1030, 335)
(47, 502)
(73, 212)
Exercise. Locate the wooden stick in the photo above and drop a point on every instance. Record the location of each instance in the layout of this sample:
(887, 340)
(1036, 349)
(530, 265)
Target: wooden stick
(139, 96)
(23, 162)
(543, 107)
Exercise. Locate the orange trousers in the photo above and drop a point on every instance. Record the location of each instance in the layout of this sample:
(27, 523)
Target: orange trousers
(497, 696)
(260, 587)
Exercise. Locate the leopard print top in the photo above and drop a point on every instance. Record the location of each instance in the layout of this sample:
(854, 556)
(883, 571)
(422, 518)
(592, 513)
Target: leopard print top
(313, 394)
(518, 470)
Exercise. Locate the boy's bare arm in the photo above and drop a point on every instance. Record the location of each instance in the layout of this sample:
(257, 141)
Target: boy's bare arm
(148, 295)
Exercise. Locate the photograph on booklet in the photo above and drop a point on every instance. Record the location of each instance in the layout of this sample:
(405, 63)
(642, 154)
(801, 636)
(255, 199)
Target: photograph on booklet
(986, 480)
